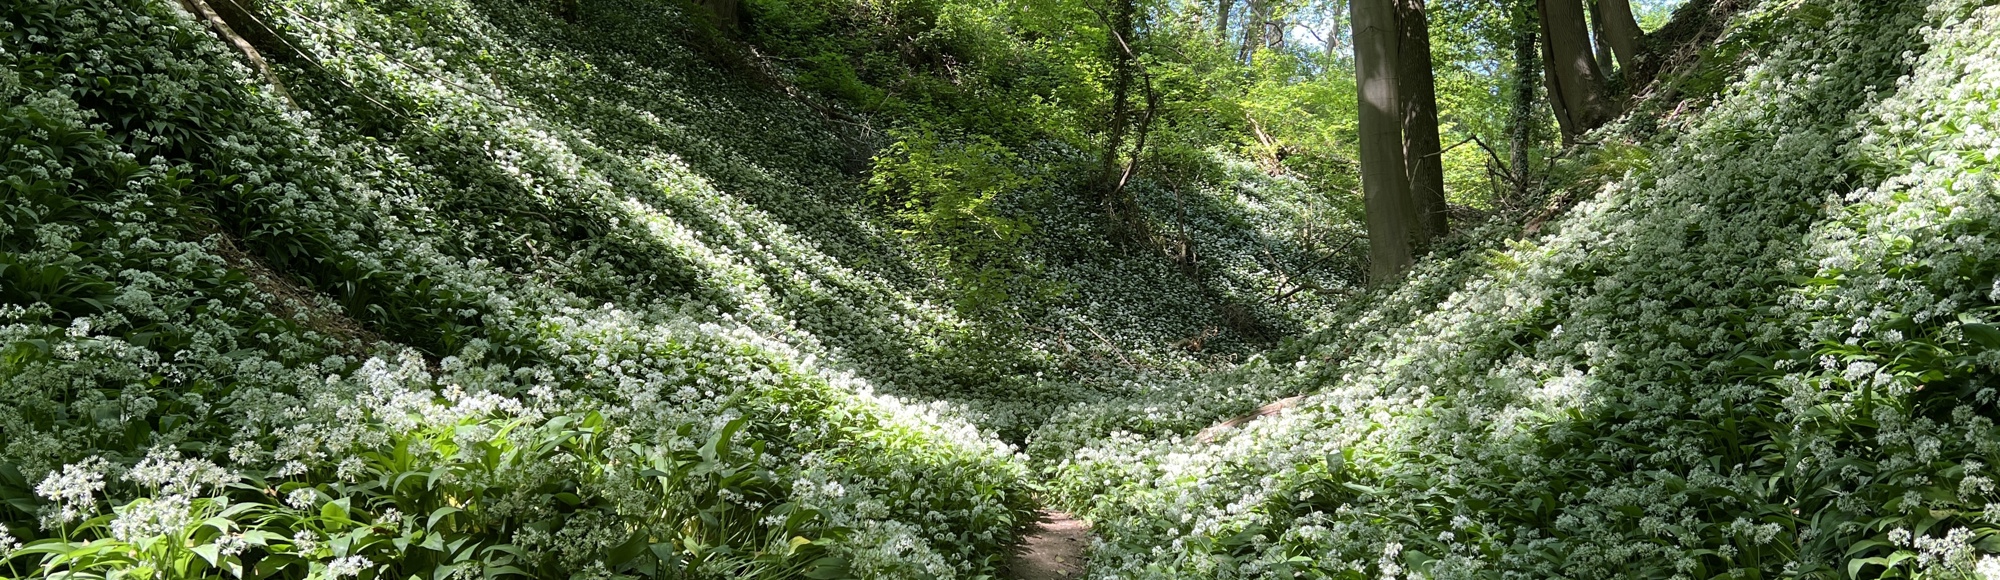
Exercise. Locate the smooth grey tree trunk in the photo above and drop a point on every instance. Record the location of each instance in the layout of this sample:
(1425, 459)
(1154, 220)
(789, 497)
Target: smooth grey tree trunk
(1565, 123)
(1621, 31)
(1576, 84)
(1391, 216)
(1254, 27)
(1222, 8)
(1600, 40)
(1417, 92)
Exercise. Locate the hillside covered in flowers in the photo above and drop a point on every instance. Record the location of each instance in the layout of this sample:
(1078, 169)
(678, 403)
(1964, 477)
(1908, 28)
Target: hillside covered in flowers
(854, 289)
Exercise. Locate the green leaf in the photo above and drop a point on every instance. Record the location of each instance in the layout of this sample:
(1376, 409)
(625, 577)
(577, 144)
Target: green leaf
(438, 514)
(1983, 334)
(210, 553)
(828, 568)
(335, 510)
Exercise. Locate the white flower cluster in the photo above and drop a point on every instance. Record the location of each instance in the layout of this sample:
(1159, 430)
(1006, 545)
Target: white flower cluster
(691, 303)
(1620, 397)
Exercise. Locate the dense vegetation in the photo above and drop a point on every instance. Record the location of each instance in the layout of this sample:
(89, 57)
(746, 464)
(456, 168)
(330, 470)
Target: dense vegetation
(852, 289)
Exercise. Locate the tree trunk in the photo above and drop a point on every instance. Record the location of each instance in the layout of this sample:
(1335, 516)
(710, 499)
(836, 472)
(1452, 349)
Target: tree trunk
(1222, 8)
(1521, 128)
(1333, 30)
(1416, 91)
(1622, 31)
(1254, 25)
(1385, 194)
(1274, 29)
(1119, 52)
(1600, 42)
(1565, 121)
(1575, 82)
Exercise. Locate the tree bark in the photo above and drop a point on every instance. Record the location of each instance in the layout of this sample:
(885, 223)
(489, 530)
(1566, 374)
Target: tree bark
(1222, 8)
(1254, 27)
(1521, 128)
(1600, 42)
(1622, 31)
(1274, 31)
(1416, 91)
(1565, 123)
(1119, 51)
(1391, 216)
(1576, 84)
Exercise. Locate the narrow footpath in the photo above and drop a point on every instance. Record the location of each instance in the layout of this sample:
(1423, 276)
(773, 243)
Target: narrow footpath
(1053, 550)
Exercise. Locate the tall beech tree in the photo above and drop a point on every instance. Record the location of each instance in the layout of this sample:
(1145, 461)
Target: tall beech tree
(1416, 91)
(1576, 84)
(1222, 8)
(1621, 32)
(1391, 214)
(1600, 44)
(1258, 29)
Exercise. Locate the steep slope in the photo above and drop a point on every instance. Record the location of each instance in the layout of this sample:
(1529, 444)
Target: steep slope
(531, 288)
(590, 359)
(1766, 350)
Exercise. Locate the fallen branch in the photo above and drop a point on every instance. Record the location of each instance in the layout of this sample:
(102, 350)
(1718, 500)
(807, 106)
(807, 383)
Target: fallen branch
(1209, 435)
(202, 9)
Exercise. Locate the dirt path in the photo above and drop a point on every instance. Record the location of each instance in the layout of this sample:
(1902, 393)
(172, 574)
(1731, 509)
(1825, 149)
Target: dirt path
(1053, 550)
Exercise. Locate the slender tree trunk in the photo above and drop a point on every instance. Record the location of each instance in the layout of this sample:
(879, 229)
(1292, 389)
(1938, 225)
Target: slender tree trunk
(1622, 31)
(1333, 31)
(1565, 119)
(1416, 91)
(1222, 8)
(1600, 42)
(1119, 51)
(1139, 141)
(1385, 194)
(1574, 79)
(1521, 128)
(1257, 18)
(1332, 47)
(1274, 29)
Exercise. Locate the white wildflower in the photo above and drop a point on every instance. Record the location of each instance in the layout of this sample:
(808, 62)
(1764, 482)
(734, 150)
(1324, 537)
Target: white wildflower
(347, 567)
(73, 490)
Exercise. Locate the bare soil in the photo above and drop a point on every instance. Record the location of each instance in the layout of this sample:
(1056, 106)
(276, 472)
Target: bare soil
(1053, 550)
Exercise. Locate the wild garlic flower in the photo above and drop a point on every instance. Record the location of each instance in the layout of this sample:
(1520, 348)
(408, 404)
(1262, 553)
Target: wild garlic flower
(8, 544)
(347, 567)
(304, 498)
(150, 517)
(73, 491)
(164, 470)
(230, 544)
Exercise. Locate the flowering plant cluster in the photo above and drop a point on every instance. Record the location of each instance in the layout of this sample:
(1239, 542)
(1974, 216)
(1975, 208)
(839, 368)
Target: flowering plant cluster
(1767, 349)
(485, 293)
(491, 294)
(432, 323)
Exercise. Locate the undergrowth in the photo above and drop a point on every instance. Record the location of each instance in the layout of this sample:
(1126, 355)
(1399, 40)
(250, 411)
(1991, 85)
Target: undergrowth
(511, 294)
(1765, 350)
